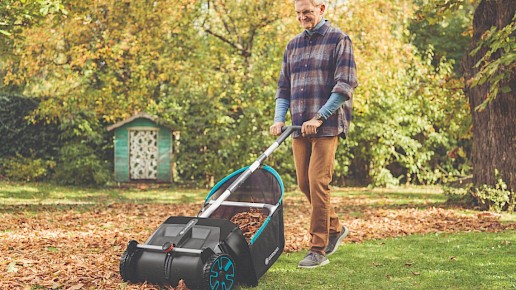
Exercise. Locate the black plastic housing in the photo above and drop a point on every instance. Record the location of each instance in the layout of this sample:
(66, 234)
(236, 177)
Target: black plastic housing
(208, 234)
(212, 237)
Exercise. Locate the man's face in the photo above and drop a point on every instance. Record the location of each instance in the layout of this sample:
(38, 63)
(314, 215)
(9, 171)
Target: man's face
(307, 14)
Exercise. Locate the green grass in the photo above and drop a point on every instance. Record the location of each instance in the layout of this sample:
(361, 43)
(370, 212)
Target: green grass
(43, 193)
(437, 261)
(473, 260)
(401, 196)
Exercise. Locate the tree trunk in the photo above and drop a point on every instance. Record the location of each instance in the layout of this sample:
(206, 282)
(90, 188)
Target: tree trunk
(494, 129)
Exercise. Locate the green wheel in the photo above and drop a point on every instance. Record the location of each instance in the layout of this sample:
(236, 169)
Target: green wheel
(219, 273)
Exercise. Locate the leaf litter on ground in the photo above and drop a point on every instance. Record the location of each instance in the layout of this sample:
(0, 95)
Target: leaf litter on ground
(79, 248)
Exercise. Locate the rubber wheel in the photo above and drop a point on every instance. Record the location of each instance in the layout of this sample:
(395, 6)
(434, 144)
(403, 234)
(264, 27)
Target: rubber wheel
(125, 261)
(126, 267)
(219, 273)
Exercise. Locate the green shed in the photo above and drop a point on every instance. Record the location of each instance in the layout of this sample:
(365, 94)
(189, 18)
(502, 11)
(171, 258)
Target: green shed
(143, 149)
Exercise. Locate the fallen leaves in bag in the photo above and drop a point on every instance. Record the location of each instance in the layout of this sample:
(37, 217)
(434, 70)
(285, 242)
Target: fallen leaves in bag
(249, 222)
(182, 285)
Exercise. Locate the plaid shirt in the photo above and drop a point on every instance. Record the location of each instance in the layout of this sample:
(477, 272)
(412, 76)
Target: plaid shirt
(313, 68)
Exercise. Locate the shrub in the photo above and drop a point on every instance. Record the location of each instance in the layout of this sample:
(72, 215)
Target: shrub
(79, 165)
(497, 198)
(20, 134)
(20, 168)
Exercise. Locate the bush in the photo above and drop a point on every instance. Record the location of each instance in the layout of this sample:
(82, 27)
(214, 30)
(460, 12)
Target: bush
(21, 168)
(497, 198)
(19, 135)
(459, 193)
(79, 165)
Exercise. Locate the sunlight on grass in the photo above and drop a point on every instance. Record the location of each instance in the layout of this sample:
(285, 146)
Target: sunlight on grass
(13, 193)
(472, 260)
(433, 261)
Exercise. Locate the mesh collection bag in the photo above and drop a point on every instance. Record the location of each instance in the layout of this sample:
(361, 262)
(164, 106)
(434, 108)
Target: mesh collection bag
(261, 194)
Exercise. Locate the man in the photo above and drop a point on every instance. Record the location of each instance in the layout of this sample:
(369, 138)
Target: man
(317, 80)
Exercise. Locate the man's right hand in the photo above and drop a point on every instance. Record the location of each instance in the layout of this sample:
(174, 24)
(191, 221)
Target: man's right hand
(276, 128)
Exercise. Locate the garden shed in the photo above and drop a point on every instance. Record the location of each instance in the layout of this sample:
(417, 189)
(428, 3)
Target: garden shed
(143, 149)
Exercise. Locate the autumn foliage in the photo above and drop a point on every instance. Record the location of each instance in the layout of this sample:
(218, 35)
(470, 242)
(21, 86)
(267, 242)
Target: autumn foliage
(79, 246)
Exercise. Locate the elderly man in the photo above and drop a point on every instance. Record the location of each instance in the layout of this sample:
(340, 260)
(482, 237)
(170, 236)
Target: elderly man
(317, 80)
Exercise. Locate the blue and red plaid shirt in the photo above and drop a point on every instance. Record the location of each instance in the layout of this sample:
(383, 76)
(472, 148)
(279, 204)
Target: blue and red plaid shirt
(315, 65)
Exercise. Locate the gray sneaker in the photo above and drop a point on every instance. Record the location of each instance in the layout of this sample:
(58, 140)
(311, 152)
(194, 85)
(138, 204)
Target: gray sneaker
(335, 240)
(312, 260)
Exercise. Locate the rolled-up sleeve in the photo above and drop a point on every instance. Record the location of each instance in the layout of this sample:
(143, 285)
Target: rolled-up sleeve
(345, 70)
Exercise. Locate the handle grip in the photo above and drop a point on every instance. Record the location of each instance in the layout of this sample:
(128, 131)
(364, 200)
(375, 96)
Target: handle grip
(287, 131)
(293, 128)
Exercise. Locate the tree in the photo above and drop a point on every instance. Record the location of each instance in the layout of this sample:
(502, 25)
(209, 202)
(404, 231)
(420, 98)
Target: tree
(446, 32)
(492, 94)
(101, 63)
(210, 68)
(17, 15)
(238, 22)
(407, 114)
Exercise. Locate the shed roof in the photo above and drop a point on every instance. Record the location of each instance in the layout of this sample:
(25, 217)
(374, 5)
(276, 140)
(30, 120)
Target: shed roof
(137, 116)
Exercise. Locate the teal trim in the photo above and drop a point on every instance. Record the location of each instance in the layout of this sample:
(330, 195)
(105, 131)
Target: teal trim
(276, 174)
(260, 230)
(219, 184)
(265, 167)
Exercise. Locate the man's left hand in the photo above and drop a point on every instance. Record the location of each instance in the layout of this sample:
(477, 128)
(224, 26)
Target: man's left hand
(310, 127)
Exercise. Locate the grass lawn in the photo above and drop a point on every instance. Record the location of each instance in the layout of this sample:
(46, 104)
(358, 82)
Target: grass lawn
(432, 261)
(43, 193)
(402, 238)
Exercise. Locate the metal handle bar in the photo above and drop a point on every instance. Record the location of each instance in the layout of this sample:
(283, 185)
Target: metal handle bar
(287, 130)
(243, 177)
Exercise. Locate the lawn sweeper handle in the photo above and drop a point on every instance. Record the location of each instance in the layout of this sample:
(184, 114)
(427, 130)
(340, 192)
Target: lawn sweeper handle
(287, 131)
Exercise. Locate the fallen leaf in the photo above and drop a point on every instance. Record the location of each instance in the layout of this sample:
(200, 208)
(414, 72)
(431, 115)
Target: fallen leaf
(76, 287)
(74, 245)
(11, 268)
(249, 222)
(181, 285)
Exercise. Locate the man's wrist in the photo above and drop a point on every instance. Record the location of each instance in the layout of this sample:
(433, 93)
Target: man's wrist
(319, 117)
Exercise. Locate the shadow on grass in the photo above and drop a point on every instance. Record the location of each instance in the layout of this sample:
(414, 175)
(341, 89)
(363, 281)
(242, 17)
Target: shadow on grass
(25, 194)
(36, 208)
(356, 203)
(421, 206)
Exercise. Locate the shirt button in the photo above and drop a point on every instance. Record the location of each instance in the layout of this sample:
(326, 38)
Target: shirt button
(302, 89)
(306, 65)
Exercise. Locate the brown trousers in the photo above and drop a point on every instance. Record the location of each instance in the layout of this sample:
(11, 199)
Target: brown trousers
(314, 159)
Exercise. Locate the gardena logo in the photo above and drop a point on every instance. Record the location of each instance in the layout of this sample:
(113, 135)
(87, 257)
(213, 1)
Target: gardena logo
(269, 258)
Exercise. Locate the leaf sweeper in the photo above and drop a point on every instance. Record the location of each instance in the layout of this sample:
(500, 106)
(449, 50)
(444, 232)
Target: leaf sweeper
(209, 251)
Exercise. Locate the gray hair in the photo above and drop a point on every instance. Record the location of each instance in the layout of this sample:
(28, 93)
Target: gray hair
(315, 2)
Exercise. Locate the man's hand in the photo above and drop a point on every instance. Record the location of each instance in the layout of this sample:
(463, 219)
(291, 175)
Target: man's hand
(310, 127)
(275, 129)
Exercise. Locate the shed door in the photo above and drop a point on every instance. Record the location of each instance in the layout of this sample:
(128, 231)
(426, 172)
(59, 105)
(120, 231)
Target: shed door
(143, 154)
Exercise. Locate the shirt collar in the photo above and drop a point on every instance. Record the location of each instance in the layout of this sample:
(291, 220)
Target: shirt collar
(320, 28)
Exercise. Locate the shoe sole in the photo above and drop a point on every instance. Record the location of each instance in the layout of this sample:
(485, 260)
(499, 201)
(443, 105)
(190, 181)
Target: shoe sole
(342, 237)
(315, 266)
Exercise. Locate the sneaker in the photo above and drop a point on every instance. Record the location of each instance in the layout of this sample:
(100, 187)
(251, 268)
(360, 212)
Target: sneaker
(312, 260)
(335, 240)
